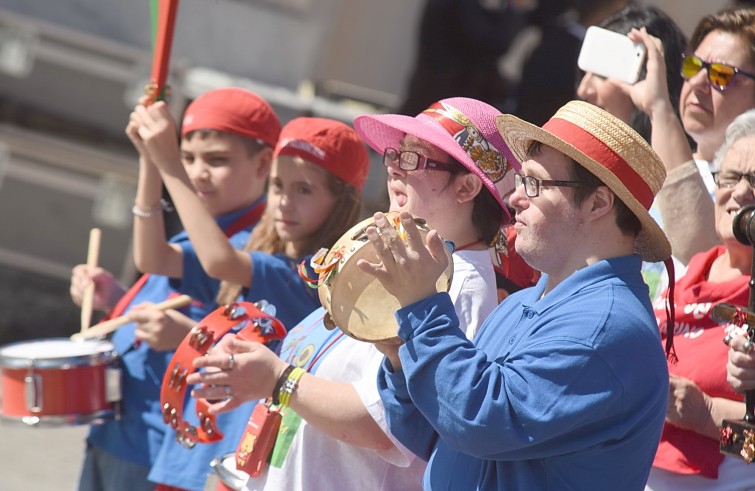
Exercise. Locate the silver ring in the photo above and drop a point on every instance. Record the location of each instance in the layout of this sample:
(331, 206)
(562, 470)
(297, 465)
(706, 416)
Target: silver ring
(231, 363)
(747, 346)
(727, 339)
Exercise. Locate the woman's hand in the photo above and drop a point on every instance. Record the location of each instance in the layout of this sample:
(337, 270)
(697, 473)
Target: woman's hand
(250, 376)
(408, 269)
(651, 94)
(688, 406)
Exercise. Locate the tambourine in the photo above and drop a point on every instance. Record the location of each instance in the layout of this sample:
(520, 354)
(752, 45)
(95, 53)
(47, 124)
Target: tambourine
(256, 325)
(355, 301)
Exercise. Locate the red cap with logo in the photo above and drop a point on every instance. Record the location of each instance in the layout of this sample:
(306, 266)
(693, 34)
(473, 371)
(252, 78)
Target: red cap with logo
(330, 144)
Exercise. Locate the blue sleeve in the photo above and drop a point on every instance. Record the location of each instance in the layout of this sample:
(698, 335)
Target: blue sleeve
(526, 396)
(276, 280)
(195, 282)
(407, 424)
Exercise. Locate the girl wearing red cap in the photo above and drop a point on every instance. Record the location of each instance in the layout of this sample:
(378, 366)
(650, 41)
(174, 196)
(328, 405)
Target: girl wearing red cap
(319, 167)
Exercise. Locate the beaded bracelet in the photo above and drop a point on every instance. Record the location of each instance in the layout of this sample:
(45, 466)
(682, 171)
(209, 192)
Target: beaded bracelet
(289, 386)
(279, 383)
(151, 212)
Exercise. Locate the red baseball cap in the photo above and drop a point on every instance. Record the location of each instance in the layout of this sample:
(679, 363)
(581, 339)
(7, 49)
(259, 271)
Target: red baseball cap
(233, 110)
(332, 145)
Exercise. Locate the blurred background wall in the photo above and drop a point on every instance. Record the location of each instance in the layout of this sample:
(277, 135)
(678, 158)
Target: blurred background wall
(70, 70)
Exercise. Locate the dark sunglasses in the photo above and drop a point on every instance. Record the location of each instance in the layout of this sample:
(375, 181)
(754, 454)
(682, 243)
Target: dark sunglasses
(720, 75)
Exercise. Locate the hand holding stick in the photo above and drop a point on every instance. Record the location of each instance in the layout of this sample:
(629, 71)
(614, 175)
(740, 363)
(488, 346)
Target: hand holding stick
(111, 325)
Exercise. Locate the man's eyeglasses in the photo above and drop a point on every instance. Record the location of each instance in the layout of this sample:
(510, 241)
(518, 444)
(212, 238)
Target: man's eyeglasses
(720, 75)
(729, 179)
(532, 184)
(409, 160)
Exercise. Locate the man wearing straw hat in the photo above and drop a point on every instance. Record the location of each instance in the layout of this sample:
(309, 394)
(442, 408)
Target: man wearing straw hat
(566, 384)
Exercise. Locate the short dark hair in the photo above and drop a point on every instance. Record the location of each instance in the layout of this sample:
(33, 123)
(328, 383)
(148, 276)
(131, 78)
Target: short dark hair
(487, 214)
(626, 220)
(660, 25)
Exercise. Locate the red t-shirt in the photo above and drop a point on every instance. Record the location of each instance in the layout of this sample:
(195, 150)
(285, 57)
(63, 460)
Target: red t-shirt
(702, 359)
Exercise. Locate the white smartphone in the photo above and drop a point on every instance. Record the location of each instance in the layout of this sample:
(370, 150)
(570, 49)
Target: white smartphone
(612, 55)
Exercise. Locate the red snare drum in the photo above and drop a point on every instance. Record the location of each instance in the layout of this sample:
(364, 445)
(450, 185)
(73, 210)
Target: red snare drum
(59, 381)
(225, 474)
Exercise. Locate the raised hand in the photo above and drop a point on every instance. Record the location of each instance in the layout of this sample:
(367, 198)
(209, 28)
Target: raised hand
(408, 269)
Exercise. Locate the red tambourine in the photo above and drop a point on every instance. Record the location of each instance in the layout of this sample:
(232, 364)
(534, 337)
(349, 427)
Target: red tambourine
(260, 327)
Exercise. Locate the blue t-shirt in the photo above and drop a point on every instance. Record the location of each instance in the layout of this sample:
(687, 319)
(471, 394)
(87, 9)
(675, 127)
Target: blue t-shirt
(137, 436)
(277, 281)
(567, 391)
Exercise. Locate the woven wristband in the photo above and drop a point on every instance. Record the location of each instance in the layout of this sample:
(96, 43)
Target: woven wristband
(289, 386)
(279, 384)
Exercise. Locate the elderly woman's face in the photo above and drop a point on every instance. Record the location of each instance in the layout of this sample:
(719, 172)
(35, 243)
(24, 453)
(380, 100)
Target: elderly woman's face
(739, 160)
(706, 111)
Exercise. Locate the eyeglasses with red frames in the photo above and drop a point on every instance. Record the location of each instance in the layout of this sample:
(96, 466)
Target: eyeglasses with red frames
(533, 184)
(720, 75)
(410, 160)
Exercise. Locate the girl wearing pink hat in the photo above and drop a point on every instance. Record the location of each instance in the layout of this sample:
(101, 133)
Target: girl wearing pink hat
(447, 167)
(467, 203)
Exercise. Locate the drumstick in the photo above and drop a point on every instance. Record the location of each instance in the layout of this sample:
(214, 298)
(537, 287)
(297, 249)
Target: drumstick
(93, 254)
(111, 325)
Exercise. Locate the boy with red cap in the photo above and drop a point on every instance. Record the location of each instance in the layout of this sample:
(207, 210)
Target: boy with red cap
(227, 140)
(318, 170)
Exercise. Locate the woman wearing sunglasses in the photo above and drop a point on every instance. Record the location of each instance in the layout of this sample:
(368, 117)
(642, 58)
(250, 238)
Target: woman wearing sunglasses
(719, 84)
(699, 397)
(719, 72)
(705, 87)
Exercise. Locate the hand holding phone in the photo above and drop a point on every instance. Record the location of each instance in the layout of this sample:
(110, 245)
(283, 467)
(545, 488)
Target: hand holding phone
(611, 55)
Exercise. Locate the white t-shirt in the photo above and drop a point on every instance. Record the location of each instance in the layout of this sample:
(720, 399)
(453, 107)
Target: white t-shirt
(473, 289)
(315, 461)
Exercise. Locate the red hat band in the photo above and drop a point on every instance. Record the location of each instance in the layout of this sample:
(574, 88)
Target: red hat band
(598, 151)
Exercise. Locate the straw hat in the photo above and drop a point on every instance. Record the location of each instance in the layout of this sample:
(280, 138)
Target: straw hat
(612, 151)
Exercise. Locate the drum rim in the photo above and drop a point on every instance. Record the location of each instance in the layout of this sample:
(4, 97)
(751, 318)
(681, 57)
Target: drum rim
(102, 357)
(57, 420)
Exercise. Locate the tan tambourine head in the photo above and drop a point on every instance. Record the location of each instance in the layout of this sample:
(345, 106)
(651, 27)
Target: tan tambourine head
(356, 302)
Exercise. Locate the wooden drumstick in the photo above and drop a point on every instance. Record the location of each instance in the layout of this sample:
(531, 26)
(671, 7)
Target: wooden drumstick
(93, 254)
(111, 325)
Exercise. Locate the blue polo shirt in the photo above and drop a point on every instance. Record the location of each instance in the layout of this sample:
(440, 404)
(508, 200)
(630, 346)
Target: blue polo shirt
(568, 391)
